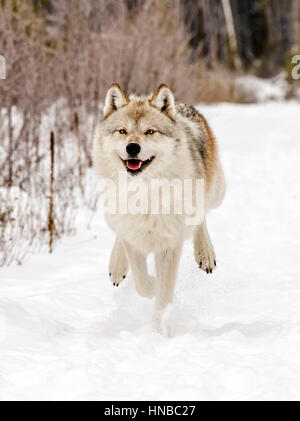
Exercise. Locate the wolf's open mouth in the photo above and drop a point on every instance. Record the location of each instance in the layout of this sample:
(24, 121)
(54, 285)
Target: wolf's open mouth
(137, 165)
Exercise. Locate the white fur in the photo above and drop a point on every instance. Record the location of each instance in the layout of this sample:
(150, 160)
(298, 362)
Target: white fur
(139, 235)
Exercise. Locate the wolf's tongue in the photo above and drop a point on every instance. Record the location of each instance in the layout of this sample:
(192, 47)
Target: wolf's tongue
(133, 164)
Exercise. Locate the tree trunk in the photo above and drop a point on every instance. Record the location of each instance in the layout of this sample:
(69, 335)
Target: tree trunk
(234, 60)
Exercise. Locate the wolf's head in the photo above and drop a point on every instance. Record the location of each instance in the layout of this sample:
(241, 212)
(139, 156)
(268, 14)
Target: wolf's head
(138, 134)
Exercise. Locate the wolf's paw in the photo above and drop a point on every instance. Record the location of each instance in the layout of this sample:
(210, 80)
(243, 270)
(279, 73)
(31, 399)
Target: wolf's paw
(118, 272)
(206, 259)
(116, 278)
(118, 265)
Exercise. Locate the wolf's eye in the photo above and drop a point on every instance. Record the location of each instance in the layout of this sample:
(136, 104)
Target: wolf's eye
(122, 131)
(149, 131)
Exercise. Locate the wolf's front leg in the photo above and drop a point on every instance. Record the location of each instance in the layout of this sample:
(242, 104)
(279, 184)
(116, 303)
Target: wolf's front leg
(203, 249)
(118, 264)
(166, 262)
(144, 283)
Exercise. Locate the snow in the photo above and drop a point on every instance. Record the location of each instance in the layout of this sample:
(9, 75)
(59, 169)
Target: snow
(251, 88)
(67, 333)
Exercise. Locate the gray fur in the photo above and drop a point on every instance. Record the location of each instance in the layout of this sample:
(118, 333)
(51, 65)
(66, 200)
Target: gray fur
(197, 140)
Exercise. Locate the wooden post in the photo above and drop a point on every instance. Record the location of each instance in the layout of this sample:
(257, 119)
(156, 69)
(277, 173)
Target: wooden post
(51, 204)
(232, 41)
(76, 121)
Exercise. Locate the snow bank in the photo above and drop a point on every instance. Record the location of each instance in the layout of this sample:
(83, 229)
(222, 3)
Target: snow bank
(66, 333)
(251, 88)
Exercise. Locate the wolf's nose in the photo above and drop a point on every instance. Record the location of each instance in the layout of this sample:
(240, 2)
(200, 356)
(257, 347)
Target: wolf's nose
(133, 148)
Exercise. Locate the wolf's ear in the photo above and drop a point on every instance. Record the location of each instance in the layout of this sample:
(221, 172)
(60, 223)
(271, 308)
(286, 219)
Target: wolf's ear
(115, 98)
(163, 99)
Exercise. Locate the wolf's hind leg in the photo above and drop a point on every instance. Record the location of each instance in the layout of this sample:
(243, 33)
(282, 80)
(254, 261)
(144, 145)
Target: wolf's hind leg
(144, 283)
(118, 264)
(203, 249)
(166, 262)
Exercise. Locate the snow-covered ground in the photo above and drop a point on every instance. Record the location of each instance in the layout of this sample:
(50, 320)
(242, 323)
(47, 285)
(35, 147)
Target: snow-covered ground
(67, 333)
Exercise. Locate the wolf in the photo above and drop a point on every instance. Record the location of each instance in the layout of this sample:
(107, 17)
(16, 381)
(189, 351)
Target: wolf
(152, 137)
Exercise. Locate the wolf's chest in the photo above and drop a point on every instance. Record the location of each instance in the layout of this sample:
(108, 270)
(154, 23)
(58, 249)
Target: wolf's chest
(148, 233)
